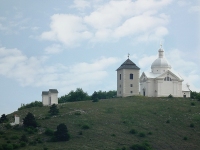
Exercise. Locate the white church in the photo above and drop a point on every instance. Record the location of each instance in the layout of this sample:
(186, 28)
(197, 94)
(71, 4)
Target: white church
(50, 97)
(160, 82)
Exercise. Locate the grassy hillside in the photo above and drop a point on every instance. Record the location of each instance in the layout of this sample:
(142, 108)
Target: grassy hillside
(162, 122)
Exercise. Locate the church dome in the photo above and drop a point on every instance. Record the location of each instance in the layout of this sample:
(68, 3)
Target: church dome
(160, 64)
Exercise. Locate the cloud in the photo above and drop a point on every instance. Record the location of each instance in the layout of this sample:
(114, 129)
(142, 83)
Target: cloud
(67, 29)
(80, 4)
(110, 21)
(33, 71)
(194, 9)
(53, 49)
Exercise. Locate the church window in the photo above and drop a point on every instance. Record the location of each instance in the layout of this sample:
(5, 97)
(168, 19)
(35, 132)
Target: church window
(131, 85)
(120, 76)
(131, 76)
(120, 85)
(131, 91)
(167, 79)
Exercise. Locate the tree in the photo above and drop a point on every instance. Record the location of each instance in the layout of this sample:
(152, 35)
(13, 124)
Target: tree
(29, 120)
(3, 118)
(54, 110)
(62, 133)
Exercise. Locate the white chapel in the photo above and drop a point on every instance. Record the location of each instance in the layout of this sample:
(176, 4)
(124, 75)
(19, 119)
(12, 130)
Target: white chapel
(50, 97)
(162, 81)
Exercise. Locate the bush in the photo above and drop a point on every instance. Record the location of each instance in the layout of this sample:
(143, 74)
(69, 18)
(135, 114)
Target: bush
(95, 100)
(141, 134)
(185, 138)
(3, 118)
(170, 96)
(62, 133)
(143, 146)
(29, 120)
(14, 137)
(8, 126)
(85, 126)
(33, 104)
(192, 125)
(49, 132)
(168, 121)
(30, 130)
(24, 138)
(54, 110)
(192, 104)
(7, 147)
(133, 131)
(77, 113)
(22, 144)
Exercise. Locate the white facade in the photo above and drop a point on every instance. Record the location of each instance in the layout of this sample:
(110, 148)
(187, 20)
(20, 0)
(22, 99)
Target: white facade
(50, 97)
(161, 81)
(128, 79)
(17, 121)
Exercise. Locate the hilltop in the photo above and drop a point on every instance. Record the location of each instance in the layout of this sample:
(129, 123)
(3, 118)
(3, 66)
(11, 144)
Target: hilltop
(163, 123)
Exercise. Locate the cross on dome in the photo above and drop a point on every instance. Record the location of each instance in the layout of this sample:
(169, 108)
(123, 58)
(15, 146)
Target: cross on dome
(128, 55)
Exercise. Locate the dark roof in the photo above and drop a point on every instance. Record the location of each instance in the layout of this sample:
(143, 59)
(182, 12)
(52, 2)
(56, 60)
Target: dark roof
(53, 90)
(45, 92)
(128, 64)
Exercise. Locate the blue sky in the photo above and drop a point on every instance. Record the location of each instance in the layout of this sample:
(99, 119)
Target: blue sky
(79, 44)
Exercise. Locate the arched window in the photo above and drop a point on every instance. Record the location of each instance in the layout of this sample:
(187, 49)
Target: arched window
(120, 76)
(131, 76)
(167, 79)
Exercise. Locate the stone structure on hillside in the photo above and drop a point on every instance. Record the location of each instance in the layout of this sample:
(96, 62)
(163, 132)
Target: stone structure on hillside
(162, 81)
(17, 121)
(128, 79)
(50, 97)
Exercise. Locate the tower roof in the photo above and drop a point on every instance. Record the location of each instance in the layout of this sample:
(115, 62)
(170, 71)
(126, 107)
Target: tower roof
(128, 64)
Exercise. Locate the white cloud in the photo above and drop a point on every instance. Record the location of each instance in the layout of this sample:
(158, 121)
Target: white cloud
(194, 9)
(110, 21)
(80, 4)
(53, 49)
(32, 71)
(67, 29)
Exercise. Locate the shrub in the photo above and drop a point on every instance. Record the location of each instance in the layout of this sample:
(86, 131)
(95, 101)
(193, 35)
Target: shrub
(85, 126)
(133, 131)
(16, 146)
(22, 144)
(185, 138)
(33, 104)
(49, 132)
(192, 104)
(170, 96)
(95, 100)
(142, 134)
(143, 146)
(62, 133)
(29, 120)
(150, 133)
(54, 110)
(30, 130)
(14, 137)
(192, 125)
(77, 113)
(80, 133)
(45, 148)
(8, 126)
(24, 138)
(168, 121)
(3, 118)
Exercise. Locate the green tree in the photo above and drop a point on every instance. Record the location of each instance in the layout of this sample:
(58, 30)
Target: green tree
(29, 120)
(54, 110)
(62, 133)
(3, 118)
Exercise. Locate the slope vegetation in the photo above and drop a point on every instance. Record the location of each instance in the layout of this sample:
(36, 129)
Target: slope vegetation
(111, 124)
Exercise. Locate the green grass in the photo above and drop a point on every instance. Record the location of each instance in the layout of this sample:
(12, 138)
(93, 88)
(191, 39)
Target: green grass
(118, 117)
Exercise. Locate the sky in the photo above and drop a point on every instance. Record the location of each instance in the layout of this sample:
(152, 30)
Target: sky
(73, 44)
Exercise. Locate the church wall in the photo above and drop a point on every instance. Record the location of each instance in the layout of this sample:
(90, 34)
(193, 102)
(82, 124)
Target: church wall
(54, 98)
(187, 93)
(126, 82)
(45, 100)
(120, 83)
